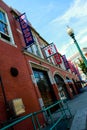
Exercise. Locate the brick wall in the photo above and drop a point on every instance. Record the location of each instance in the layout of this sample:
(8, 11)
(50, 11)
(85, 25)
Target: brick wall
(20, 86)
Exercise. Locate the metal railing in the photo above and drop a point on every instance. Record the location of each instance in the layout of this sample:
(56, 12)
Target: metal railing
(62, 112)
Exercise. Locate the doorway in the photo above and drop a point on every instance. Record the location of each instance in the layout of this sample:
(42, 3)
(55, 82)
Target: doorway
(63, 94)
(71, 86)
(45, 87)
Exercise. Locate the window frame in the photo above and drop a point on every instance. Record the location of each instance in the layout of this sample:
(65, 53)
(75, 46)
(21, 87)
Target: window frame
(35, 48)
(3, 36)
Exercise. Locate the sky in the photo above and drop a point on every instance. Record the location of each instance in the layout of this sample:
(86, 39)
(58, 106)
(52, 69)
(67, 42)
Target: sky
(51, 17)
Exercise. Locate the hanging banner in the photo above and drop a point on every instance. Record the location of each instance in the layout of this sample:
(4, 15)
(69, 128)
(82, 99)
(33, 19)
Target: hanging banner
(65, 62)
(57, 58)
(28, 37)
(49, 50)
(71, 66)
(74, 69)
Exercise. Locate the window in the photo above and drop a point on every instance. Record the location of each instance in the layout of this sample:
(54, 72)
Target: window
(51, 60)
(34, 48)
(29, 49)
(5, 31)
(3, 23)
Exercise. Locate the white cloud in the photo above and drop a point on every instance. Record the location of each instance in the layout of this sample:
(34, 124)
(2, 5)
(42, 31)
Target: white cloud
(82, 32)
(84, 40)
(77, 10)
(65, 47)
(70, 47)
(77, 15)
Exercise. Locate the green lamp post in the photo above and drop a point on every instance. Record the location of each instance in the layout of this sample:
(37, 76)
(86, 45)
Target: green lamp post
(71, 34)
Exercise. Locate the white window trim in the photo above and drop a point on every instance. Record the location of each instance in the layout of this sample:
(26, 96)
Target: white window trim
(9, 30)
(39, 49)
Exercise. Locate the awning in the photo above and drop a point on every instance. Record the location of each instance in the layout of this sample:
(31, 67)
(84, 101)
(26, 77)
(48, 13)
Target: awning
(81, 81)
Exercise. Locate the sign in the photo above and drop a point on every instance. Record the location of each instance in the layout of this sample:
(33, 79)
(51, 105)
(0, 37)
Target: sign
(49, 50)
(57, 58)
(65, 62)
(28, 37)
(71, 66)
(17, 106)
(74, 69)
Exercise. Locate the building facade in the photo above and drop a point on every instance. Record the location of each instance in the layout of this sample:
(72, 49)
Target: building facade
(75, 60)
(25, 73)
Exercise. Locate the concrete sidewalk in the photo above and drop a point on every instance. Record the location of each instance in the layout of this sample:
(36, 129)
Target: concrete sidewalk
(78, 103)
(78, 107)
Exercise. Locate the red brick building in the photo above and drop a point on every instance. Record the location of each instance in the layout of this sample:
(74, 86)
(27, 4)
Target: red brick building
(25, 73)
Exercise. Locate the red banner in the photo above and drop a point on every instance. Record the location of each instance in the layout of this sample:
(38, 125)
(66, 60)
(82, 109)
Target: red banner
(57, 58)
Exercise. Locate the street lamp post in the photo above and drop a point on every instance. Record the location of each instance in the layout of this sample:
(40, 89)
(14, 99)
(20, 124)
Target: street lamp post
(71, 34)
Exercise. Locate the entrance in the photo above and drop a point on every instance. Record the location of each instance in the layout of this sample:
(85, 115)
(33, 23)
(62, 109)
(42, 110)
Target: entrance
(71, 86)
(45, 87)
(61, 87)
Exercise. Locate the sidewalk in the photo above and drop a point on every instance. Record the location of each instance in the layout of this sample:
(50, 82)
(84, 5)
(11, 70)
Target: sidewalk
(78, 103)
(78, 107)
